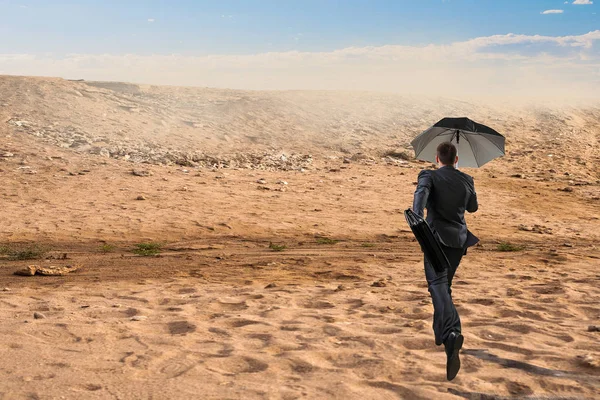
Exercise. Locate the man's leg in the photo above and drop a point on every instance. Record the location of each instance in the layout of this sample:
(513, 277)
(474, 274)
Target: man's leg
(454, 257)
(445, 317)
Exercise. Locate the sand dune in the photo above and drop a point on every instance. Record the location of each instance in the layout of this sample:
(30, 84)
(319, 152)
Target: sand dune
(342, 311)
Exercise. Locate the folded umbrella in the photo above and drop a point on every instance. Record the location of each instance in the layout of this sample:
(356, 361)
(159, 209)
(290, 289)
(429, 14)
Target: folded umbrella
(429, 244)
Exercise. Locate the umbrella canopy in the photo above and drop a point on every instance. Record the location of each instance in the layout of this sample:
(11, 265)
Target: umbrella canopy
(476, 144)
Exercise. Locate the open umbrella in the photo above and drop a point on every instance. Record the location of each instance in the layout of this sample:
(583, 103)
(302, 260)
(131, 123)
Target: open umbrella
(476, 144)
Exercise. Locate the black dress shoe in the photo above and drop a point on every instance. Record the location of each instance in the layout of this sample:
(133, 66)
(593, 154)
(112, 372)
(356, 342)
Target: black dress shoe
(453, 345)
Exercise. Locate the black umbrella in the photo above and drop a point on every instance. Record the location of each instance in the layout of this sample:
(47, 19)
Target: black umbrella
(476, 144)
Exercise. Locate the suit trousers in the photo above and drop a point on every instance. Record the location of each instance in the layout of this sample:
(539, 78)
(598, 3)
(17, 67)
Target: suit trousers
(445, 316)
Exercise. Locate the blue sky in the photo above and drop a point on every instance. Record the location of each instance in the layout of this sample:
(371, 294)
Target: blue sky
(242, 27)
(505, 47)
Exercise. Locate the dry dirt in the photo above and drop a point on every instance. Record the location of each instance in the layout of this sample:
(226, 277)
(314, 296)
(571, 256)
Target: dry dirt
(342, 311)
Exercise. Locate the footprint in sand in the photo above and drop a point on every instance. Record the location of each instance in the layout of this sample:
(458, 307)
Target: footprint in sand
(181, 327)
(214, 349)
(228, 305)
(236, 365)
(176, 367)
(241, 322)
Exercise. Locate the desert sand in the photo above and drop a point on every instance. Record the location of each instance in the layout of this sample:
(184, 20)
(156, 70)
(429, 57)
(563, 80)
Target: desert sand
(285, 268)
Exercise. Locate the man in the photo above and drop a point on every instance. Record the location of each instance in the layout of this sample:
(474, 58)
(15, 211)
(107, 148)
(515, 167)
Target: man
(446, 193)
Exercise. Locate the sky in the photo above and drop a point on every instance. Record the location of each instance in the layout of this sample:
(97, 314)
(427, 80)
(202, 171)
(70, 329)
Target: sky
(463, 46)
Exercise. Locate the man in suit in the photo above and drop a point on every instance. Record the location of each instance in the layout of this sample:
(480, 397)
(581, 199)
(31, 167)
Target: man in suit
(446, 193)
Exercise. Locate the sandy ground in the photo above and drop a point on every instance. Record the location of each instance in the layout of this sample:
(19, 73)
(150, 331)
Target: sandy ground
(220, 315)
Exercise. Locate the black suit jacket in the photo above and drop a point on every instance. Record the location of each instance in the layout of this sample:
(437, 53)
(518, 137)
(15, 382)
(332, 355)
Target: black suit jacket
(447, 193)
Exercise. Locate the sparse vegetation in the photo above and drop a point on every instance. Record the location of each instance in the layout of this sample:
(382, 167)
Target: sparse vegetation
(107, 248)
(23, 253)
(368, 245)
(326, 240)
(277, 247)
(505, 246)
(147, 249)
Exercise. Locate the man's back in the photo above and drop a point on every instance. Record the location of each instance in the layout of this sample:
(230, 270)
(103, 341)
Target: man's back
(446, 193)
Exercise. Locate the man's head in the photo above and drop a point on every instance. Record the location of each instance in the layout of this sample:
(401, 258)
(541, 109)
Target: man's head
(446, 154)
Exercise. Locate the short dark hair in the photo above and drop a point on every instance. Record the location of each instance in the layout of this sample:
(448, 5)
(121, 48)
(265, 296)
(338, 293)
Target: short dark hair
(447, 153)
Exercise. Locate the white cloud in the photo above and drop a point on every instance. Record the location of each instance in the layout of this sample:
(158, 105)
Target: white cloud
(151, 20)
(502, 64)
(583, 2)
(552, 12)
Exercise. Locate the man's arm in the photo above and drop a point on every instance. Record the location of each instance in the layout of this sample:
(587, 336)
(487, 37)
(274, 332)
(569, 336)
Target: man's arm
(424, 186)
(472, 205)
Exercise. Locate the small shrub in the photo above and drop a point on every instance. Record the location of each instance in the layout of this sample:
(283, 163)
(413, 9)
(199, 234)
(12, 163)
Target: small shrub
(107, 248)
(25, 253)
(505, 246)
(326, 240)
(277, 247)
(147, 249)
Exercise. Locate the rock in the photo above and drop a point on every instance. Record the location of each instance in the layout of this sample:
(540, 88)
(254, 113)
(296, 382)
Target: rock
(27, 271)
(57, 271)
(32, 270)
(379, 283)
(7, 154)
(271, 286)
(139, 318)
(568, 244)
(593, 328)
(141, 172)
(6, 289)
(589, 361)
(340, 288)
(566, 189)
(104, 152)
(282, 183)
(261, 181)
(37, 315)
(520, 176)
(140, 197)
(525, 228)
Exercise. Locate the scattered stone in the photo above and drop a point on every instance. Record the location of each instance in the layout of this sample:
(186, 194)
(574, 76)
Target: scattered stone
(140, 197)
(6, 289)
(27, 271)
(271, 286)
(263, 188)
(520, 176)
(38, 315)
(566, 189)
(568, 244)
(340, 288)
(282, 183)
(32, 270)
(379, 283)
(139, 318)
(7, 155)
(589, 361)
(141, 172)
(593, 328)
(536, 228)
